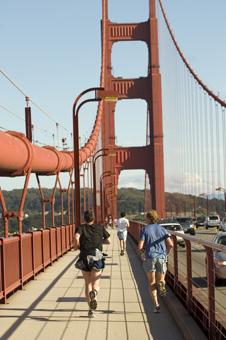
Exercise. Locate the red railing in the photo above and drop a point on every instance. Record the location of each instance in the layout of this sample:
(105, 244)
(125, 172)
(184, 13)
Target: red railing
(195, 290)
(23, 256)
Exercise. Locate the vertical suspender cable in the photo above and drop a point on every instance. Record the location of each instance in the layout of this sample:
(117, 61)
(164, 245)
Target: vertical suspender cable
(180, 118)
(212, 154)
(203, 153)
(218, 152)
(206, 144)
(224, 145)
(186, 123)
(196, 134)
(192, 124)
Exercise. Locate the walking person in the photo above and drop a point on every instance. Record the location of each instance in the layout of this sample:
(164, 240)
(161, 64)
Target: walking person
(106, 222)
(110, 221)
(155, 244)
(122, 225)
(88, 238)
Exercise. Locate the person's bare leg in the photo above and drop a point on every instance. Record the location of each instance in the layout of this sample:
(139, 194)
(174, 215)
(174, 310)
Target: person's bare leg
(160, 277)
(95, 279)
(160, 280)
(124, 246)
(121, 244)
(152, 287)
(88, 284)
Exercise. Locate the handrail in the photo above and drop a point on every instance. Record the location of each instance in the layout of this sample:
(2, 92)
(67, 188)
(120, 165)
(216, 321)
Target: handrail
(203, 310)
(45, 247)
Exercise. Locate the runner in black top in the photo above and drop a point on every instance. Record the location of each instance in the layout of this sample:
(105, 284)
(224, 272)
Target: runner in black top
(89, 237)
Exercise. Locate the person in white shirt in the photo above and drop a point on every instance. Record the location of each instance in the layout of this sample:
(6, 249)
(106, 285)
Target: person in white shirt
(122, 225)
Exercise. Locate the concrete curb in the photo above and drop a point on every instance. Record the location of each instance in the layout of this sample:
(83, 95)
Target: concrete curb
(183, 319)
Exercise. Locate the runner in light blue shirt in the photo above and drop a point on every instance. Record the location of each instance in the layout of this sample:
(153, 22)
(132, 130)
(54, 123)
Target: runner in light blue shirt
(155, 243)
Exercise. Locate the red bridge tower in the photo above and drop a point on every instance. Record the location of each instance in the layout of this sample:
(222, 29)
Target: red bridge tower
(149, 157)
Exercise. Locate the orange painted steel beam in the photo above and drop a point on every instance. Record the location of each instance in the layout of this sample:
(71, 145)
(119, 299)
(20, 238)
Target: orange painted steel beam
(17, 154)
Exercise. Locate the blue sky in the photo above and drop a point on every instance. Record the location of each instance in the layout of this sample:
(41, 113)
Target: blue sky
(52, 51)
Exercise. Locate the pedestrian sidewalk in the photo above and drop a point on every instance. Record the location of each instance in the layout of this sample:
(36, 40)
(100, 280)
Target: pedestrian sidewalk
(53, 306)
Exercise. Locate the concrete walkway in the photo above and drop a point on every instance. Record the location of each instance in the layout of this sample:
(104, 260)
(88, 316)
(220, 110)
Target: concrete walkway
(53, 306)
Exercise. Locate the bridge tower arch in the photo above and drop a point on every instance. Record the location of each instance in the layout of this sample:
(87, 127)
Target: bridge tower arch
(149, 157)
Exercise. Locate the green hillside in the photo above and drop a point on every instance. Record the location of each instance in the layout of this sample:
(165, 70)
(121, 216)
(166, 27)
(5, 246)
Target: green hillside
(130, 200)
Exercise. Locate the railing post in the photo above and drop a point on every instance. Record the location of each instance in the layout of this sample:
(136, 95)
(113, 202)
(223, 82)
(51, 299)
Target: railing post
(175, 260)
(211, 291)
(32, 252)
(189, 275)
(20, 259)
(3, 270)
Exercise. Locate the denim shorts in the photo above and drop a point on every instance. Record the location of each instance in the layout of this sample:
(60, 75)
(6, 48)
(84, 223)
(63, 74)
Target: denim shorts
(122, 235)
(155, 265)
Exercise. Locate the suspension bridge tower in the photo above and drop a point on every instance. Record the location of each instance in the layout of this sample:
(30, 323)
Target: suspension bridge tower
(150, 156)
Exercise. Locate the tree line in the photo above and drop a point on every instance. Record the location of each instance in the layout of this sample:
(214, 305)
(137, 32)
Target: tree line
(130, 200)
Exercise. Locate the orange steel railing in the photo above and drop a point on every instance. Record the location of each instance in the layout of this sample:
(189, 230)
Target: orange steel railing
(23, 256)
(196, 293)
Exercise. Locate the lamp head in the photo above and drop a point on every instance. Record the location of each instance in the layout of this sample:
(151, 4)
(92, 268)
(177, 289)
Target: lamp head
(108, 96)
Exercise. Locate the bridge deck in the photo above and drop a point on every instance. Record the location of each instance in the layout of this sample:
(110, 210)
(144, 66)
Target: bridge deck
(53, 306)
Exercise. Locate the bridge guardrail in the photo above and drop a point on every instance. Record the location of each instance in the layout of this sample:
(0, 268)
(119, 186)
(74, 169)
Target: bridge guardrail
(193, 283)
(23, 256)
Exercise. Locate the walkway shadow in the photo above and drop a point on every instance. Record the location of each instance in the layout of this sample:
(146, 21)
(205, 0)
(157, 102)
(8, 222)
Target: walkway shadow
(199, 282)
(159, 323)
(32, 307)
(71, 299)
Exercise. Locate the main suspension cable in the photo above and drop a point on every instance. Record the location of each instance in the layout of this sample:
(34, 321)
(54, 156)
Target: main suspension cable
(28, 99)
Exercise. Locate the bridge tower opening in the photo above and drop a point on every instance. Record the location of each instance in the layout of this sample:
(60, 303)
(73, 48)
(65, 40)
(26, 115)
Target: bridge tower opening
(150, 156)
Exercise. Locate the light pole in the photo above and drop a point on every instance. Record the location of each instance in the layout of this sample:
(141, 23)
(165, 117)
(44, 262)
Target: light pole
(104, 174)
(191, 199)
(176, 208)
(84, 189)
(224, 191)
(100, 94)
(94, 177)
(181, 202)
(108, 195)
(205, 195)
(88, 178)
(170, 208)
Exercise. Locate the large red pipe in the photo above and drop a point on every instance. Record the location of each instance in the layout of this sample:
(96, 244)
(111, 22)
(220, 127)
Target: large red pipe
(17, 154)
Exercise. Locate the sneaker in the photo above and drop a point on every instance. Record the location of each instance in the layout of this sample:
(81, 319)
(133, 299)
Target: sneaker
(91, 314)
(161, 288)
(122, 252)
(156, 309)
(93, 299)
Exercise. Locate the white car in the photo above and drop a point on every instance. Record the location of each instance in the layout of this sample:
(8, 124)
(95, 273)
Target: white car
(212, 221)
(174, 227)
(222, 225)
(219, 258)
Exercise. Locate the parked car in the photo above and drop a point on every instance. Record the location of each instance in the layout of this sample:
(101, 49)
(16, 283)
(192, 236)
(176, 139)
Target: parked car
(199, 221)
(170, 226)
(222, 225)
(212, 221)
(219, 258)
(186, 222)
